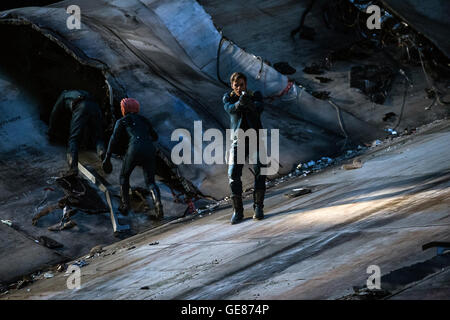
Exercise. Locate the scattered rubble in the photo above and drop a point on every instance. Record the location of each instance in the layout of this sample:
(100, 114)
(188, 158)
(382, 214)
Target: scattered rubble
(80, 195)
(62, 226)
(22, 283)
(323, 79)
(366, 294)
(298, 192)
(209, 208)
(80, 263)
(96, 250)
(7, 222)
(284, 68)
(313, 69)
(61, 267)
(373, 80)
(356, 164)
(376, 143)
(322, 95)
(390, 116)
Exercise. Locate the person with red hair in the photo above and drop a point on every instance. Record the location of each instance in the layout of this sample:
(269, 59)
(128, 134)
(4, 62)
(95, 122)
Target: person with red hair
(137, 131)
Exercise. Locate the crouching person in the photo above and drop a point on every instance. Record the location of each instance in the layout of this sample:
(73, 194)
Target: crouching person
(86, 122)
(138, 133)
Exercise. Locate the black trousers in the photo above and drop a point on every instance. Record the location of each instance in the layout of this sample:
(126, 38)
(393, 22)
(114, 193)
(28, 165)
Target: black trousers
(86, 122)
(143, 155)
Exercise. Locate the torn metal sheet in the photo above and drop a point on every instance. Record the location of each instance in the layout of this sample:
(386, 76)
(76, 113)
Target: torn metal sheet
(103, 185)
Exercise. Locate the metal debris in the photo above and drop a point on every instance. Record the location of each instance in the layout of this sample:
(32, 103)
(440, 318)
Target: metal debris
(313, 69)
(323, 79)
(376, 143)
(153, 243)
(61, 267)
(284, 68)
(48, 275)
(80, 263)
(373, 80)
(209, 208)
(62, 226)
(366, 294)
(356, 164)
(23, 283)
(7, 222)
(392, 131)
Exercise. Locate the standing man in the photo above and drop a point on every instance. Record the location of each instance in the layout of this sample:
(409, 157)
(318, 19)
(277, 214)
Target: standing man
(137, 132)
(245, 108)
(86, 122)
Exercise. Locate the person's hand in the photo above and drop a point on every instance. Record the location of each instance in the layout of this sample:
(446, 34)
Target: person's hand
(107, 165)
(244, 98)
(243, 102)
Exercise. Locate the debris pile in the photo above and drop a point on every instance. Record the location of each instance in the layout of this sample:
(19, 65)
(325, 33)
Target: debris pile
(366, 294)
(284, 68)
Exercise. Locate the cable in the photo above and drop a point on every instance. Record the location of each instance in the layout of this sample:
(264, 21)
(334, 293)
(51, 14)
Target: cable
(403, 103)
(222, 39)
(432, 87)
(341, 123)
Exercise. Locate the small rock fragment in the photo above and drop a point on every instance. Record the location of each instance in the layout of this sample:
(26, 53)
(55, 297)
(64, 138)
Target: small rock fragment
(298, 192)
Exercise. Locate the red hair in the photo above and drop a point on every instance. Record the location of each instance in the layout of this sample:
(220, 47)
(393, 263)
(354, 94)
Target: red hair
(128, 105)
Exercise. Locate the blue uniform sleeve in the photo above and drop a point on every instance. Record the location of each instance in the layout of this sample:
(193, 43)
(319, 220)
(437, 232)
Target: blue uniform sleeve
(228, 106)
(116, 135)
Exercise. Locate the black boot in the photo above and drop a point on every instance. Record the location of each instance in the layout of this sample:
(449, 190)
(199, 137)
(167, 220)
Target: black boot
(156, 196)
(258, 204)
(125, 196)
(238, 214)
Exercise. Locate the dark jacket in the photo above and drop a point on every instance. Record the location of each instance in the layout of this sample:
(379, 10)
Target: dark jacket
(71, 106)
(133, 131)
(247, 116)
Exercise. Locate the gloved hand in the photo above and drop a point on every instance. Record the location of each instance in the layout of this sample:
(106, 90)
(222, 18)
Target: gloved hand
(245, 98)
(107, 165)
(243, 102)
